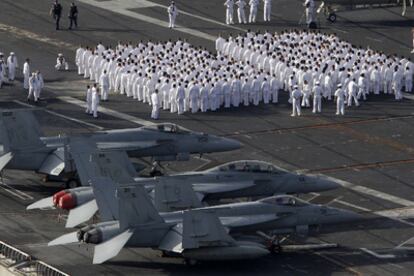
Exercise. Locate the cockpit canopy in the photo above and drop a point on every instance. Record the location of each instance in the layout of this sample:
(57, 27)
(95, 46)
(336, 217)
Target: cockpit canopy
(284, 200)
(249, 166)
(167, 128)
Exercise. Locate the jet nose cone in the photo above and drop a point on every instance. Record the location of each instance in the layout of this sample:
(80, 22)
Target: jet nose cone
(343, 216)
(349, 216)
(219, 144)
(231, 144)
(325, 183)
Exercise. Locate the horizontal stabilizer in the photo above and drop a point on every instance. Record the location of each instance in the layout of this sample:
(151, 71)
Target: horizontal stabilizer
(109, 249)
(54, 163)
(5, 159)
(91, 162)
(81, 214)
(172, 241)
(65, 239)
(209, 188)
(44, 203)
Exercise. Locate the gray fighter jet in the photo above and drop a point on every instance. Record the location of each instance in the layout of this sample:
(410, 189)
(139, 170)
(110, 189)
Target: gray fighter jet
(203, 234)
(23, 146)
(178, 191)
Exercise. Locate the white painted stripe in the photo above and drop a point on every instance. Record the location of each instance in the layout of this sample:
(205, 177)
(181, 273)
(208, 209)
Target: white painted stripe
(408, 96)
(408, 244)
(33, 245)
(313, 196)
(399, 213)
(338, 263)
(393, 214)
(374, 39)
(61, 115)
(379, 256)
(15, 192)
(351, 205)
(20, 33)
(124, 7)
(372, 192)
(339, 30)
(108, 111)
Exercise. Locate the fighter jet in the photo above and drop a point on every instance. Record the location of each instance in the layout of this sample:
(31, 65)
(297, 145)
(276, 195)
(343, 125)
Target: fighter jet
(329, 7)
(179, 191)
(204, 234)
(23, 146)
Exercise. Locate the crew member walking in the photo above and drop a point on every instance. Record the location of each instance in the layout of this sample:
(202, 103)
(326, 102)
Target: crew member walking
(73, 16)
(56, 12)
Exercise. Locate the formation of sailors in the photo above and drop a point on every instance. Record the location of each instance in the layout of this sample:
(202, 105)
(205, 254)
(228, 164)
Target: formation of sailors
(248, 69)
(319, 64)
(185, 78)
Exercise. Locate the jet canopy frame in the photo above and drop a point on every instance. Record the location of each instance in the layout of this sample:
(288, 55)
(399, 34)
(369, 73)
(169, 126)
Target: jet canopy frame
(167, 128)
(285, 200)
(251, 166)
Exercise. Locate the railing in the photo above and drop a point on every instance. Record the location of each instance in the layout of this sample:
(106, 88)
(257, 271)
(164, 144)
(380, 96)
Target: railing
(42, 268)
(21, 263)
(12, 254)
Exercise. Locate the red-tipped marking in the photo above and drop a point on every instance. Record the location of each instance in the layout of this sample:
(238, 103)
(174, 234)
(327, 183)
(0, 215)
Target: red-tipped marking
(57, 196)
(67, 202)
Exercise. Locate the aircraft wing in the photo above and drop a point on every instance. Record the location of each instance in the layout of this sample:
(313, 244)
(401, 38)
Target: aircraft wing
(247, 220)
(221, 187)
(198, 229)
(136, 145)
(54, 163)
(91, 162)
(202, 229)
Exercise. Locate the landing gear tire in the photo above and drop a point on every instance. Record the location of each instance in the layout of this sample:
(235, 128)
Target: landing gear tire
(275, 249)
(190, 262)
(154, 173)
(72, 183)
(332, 17)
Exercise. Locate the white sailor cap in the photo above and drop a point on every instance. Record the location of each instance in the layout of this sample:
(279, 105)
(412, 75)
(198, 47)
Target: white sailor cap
(317, 82)
(60, 55)
(1, 54)
(12, 53)
(340, 85)
(295, 86)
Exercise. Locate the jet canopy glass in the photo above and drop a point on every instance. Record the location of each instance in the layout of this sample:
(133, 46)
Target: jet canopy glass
(284, 200)
(167, 128)
(249, 166)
